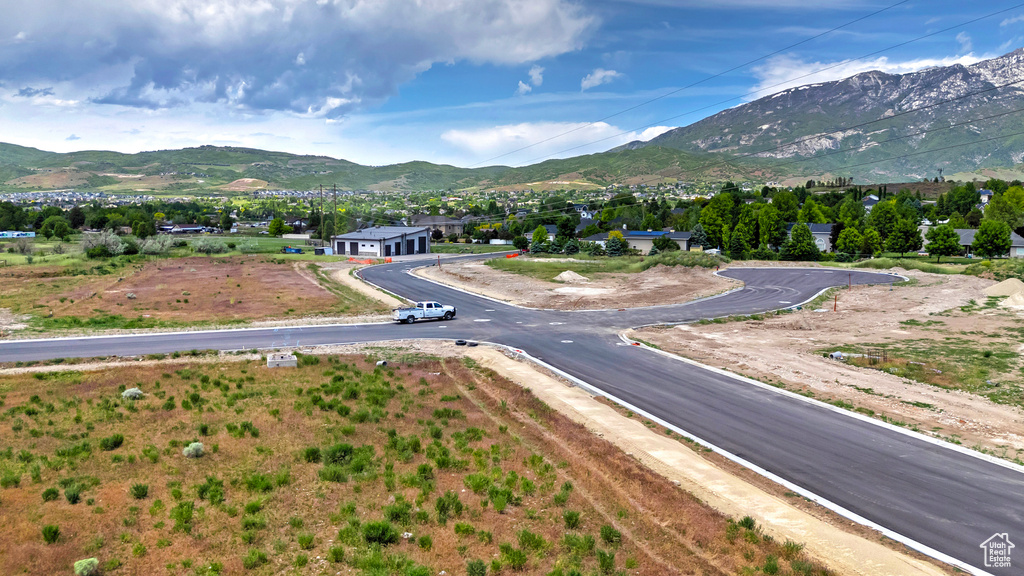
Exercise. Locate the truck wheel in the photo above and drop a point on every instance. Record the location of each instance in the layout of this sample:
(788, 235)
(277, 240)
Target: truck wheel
(447, 315)
(410, 319)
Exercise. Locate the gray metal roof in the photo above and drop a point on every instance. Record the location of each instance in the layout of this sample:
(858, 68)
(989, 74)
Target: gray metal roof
(380, 233)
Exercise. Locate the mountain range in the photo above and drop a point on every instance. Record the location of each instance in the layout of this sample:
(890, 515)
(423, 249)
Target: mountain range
(876, 127)
(873, 127)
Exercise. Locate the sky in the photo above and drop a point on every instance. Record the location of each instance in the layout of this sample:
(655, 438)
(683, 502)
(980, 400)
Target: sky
(463, 82)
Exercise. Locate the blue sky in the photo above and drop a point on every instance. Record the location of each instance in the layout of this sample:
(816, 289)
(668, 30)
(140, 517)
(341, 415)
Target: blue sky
(464, 82)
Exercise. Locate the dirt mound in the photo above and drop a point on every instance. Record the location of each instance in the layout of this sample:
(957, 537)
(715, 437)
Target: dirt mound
(571, 277)
(1016, 300)
(1005, 288)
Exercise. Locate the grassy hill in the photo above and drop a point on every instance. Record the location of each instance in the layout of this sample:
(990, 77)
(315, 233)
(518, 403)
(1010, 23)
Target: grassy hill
(213, 169)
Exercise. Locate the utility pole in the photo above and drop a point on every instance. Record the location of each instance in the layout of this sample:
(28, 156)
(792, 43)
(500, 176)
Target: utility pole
(335, 208)
(321, 226)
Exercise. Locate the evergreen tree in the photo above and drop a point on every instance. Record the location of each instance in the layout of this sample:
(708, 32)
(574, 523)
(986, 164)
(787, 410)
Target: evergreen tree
(699, 238)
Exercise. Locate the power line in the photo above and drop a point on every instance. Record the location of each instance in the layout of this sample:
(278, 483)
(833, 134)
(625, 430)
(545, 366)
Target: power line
(753, 92)
(697, 83)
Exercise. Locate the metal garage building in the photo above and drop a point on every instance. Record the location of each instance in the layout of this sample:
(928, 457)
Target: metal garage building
(383, 241)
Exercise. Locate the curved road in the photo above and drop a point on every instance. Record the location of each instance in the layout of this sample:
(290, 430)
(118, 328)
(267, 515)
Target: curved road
(937, 498)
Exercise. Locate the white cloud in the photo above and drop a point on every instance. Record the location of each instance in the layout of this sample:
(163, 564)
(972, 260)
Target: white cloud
(964, 39)
(597, 77)
(783, 72)
(523, 88)
(1013, 20)
(577, 138)
(536, 75)
(290, 55)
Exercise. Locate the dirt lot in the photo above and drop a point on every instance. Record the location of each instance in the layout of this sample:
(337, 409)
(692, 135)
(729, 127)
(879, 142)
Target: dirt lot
(170, 292)
(305, 469)
(786, 349)
(658, 285)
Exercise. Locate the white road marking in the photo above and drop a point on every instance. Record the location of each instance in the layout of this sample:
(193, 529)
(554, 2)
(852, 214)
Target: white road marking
(489, 310)
(482, 320)
(556, 323)
(566, 341)
(784, 302)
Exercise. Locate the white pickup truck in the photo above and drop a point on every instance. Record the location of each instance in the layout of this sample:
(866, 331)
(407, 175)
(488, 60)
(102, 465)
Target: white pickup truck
(423, 311)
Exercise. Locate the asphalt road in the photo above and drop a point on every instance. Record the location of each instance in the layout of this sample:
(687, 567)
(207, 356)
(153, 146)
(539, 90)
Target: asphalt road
(944, 499)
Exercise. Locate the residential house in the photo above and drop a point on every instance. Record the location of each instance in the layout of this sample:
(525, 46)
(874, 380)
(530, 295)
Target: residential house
(443, 223)
(967, 240)
(869, 202)
(383, 241)
(822, 235)
(643, 240)
(986, 196)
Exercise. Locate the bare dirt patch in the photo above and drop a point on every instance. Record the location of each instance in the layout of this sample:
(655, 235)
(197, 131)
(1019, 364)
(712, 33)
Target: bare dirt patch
(244, 185)
(786, 350)
(652, 287)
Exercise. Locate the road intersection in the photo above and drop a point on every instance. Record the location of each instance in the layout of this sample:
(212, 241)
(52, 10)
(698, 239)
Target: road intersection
(937, 498)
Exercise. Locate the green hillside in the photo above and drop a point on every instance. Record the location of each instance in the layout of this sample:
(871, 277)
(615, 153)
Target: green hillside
(213, 170)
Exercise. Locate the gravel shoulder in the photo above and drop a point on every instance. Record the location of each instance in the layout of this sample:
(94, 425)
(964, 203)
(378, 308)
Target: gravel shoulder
(783, 350)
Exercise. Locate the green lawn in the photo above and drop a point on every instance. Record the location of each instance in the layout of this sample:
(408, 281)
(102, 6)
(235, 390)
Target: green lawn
(468, 248)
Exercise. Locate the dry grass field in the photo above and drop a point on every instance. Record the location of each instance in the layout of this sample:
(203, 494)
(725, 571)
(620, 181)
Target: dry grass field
(175, 292)
(338, 466)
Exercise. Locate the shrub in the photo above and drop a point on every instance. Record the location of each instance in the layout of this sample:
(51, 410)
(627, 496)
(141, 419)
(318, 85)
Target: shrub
(476, 568)
(606, 561)
(383, 533)
(254, 559)
(139, 491)
(530, 541)
(572, 519)
(50, 533)
(305, 541)
(156, 245)
(73, 493)
(301, 560)
(771, 565)
(50, 494)
(336, 554)
(193, 450)
(87, 567)
(10, 479)
(182, 516)
(610, 535)
(448, 505)
(425, 543)
(212, 490)
(111, 442)
(208, 246)
(131, 394)
(333, 473)
(256, 482)
(514, 557)
(312, 454)
(748, 523)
